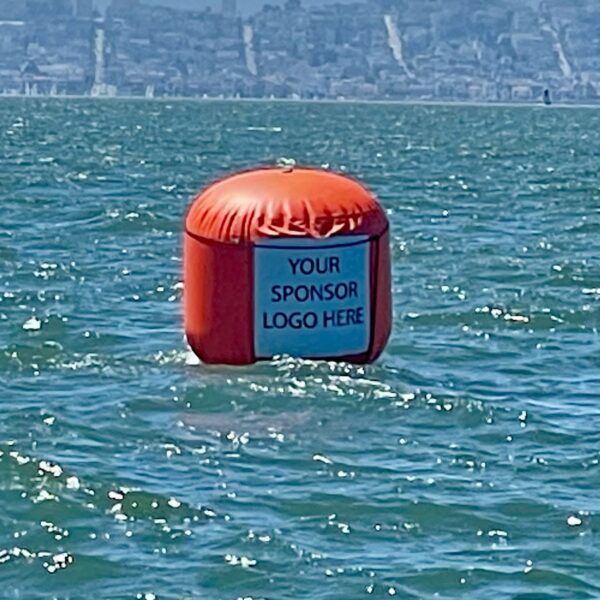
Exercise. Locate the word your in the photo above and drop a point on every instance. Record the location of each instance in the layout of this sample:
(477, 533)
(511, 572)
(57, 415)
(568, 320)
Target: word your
(310, 266)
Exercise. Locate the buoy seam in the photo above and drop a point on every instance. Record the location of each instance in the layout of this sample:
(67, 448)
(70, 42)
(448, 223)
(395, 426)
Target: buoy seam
(233, 230)
(257, 242)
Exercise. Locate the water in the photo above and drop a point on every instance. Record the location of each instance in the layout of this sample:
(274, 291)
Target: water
(464, 464)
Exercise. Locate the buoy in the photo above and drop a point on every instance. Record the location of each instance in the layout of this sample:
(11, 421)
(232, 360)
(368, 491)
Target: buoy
(289, 261)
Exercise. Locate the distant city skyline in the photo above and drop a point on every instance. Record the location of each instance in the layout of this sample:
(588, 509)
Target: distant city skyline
(466, 50)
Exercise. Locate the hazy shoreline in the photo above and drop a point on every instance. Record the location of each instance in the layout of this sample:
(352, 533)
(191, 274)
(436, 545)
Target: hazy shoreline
(415, 102)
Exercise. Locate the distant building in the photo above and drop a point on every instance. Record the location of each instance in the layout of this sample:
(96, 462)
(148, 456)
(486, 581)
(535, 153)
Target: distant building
(49, 8)
(229, 8)
(84, 9)
(124, 8)
(12, 9)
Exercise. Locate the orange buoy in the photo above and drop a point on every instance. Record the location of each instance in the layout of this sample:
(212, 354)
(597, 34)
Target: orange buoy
(287, 261)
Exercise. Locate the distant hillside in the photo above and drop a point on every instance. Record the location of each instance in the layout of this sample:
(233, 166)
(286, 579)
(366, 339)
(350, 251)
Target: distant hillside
(470, 50)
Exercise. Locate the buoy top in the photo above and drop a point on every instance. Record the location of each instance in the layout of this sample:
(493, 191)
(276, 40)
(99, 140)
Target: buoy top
(289, 202)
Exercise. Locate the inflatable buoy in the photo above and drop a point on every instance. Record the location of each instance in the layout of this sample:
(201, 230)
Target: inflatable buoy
(293, 261)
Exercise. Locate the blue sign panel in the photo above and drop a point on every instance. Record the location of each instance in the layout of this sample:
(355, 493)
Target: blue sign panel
(312, 297)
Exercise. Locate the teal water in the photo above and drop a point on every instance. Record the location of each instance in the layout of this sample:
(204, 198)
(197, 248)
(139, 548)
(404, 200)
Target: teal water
(464, 464)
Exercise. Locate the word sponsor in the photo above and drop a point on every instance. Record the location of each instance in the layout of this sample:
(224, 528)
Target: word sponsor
(312, 297)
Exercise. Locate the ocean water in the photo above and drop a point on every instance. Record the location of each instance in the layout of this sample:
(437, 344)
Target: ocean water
(465, 463)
